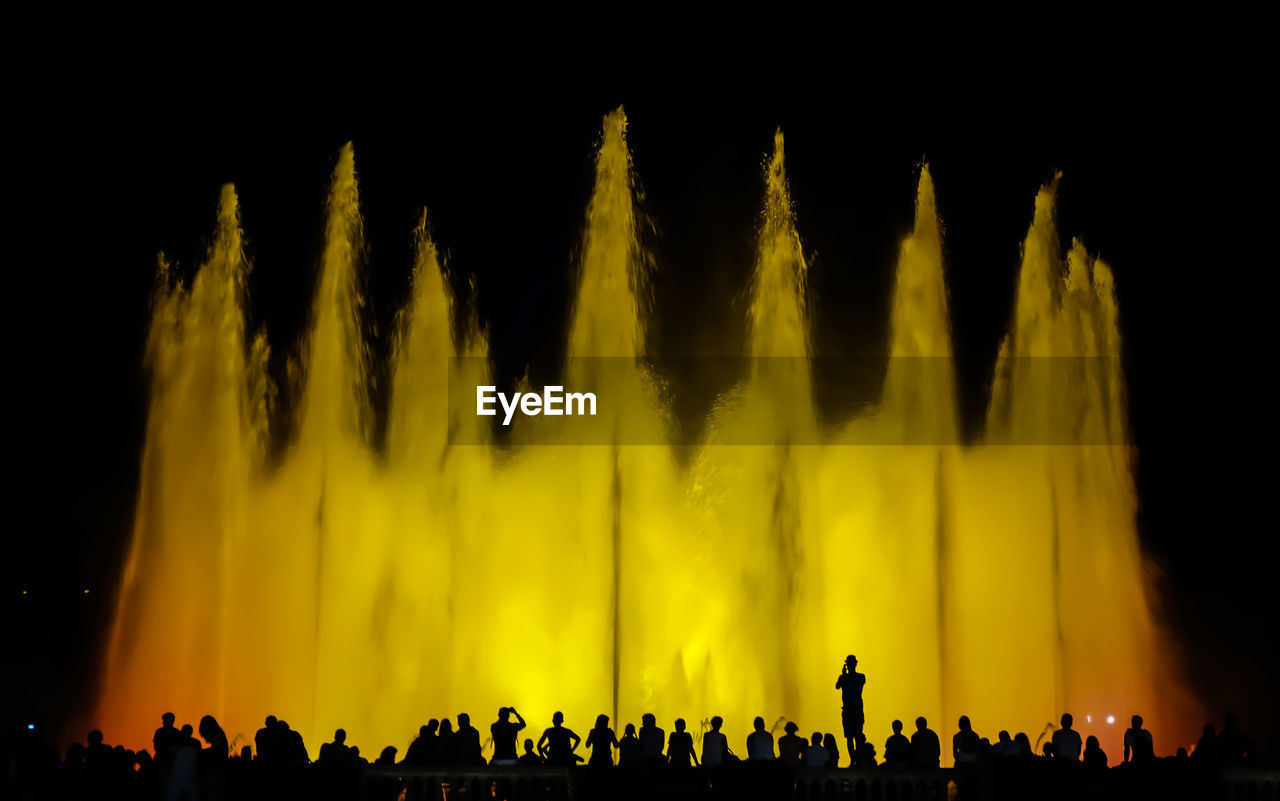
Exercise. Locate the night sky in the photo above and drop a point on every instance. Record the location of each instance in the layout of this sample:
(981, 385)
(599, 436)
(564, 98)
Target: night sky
(118, 148)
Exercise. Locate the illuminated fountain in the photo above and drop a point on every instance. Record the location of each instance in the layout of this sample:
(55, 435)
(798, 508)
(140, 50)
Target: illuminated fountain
(335, 586)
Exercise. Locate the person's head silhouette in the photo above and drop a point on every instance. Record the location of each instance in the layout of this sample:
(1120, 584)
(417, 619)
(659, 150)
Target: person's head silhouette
(1003, 736)
(716, 723)
(167, 719)
(921, 724)
(557, 719)
(340, 736)
(1137, 721)
(679, 724)
(1067, 720)
(896, 726)
(528, 746)
(964, 723)
(270, 722)
(503, 714)
(95, 737)
(791, 727)
(602, 721)
(464, 720)
(1090, 743)
(759, 724)
(648, 720)
(433, 726)
(630, 730)
(816, 739)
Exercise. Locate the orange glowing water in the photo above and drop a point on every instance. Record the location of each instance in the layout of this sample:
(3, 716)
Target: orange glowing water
(333, 586)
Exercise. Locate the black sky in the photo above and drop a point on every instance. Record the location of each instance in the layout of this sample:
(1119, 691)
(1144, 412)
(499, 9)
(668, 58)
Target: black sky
(117, 151)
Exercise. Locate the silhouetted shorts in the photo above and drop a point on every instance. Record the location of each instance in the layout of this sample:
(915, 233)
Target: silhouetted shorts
(852, 720)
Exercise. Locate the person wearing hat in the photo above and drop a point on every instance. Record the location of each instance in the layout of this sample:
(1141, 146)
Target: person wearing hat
(850, 685)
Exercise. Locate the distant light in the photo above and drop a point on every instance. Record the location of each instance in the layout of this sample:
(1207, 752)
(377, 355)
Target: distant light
(1111, 718)
(31, 727)
(1088, 718)
(24, 592)
(86, 590)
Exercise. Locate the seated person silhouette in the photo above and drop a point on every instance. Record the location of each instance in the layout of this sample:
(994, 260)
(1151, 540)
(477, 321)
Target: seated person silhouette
(629, 747)
(1066, 741)
(336, 752)
(445, 747)
(1138, 746)
(529, 758)
(387, 758)
(833, 751)
(1231, 743)
(467, 742)
(1021, 745)
(866, 755)
(1094, 757)
(850, 683)
(213, 734)
(715, 746)
(601, 740)
(759, 742)
(815, 754)
(966, 744)
(505, 732)
(1206, 750)
(558, 744)
(167, 738)
(680, 747)
(897, 749)
(790, 745)
(651, 740)
(926, 749)
(422, 750)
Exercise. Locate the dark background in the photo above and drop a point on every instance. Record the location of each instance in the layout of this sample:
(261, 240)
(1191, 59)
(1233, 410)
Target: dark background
(116, 149)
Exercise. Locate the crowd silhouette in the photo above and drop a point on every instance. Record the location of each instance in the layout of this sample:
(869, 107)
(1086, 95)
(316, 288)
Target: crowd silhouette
(181, 764)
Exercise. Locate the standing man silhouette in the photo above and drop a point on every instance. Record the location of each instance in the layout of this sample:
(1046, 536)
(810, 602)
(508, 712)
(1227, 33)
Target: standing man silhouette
(850, 685)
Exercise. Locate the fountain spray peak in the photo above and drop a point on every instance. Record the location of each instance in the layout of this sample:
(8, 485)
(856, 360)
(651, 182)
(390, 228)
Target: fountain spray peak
(778, 320)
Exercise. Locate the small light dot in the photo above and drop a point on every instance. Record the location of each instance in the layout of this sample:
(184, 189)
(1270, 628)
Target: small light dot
(86, 590)
(31, 727)
(1111, 718)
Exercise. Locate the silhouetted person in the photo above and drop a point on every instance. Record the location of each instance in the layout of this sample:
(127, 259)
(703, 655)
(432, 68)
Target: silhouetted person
(965, 745)
(1066, 741)
(1021, 744)
(1004, 746)
(850, 684)
(1046, 751)
(166, 739)
(601, 740)
(467, 743)
(184, 780)
(866, 756)
(1094, 757)
(652, 738)
(790, 745)
(1138, 746)
(680, 747)
(443, 755)
(387, 758)
(336, 752)
(529, 759)
(1206, 752)
(505, 732)
(422, 749)
(814, 755)
(833, 751)
(759, 742)
(557, 744)
(926, 749)
(715, 746)
(1231, 743)
(267, 741)
(213, 734)
(897, 749)
(629, 747)
(97, 756)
